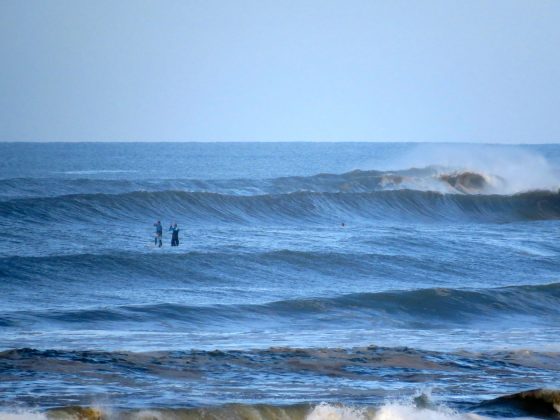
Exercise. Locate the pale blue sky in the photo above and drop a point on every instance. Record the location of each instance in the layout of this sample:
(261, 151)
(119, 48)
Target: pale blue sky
(392, 70)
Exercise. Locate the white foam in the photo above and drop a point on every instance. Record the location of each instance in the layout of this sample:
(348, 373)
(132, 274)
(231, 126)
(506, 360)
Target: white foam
(23, 415)
(403, 412)
(387, 412)
(337, 412)
(521, 169)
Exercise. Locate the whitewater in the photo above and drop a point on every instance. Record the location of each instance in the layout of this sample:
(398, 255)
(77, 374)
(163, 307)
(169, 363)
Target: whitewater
(313, 281)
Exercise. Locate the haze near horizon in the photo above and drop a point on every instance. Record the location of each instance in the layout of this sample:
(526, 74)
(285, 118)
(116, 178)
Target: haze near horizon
(450, 71)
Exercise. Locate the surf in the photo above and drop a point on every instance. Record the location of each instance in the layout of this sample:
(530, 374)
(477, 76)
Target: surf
(294, 208)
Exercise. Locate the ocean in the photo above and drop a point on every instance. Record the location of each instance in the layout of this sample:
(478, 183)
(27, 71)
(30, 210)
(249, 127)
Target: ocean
(312, 281)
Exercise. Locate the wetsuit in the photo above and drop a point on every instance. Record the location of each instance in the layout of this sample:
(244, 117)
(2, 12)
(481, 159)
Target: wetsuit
(174, 235)
(159, 234)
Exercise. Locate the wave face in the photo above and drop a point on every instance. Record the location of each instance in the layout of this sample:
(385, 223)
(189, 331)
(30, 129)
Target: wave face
(425, 309)
(544, 403)
(298, 208)
(431, 178)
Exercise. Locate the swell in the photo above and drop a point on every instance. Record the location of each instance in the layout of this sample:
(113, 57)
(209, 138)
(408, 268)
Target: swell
(422, 308)
(431, 178)
(300, 207)
(354, 181)
(318, 359)
(191, 267)
(277, 270)
(15, 188)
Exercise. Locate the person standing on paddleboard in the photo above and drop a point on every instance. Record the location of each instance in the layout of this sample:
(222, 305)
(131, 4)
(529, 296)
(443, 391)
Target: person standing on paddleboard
(174, 234)
(159, 234)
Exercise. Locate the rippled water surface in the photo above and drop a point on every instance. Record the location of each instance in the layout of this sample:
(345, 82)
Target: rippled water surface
(385, 281)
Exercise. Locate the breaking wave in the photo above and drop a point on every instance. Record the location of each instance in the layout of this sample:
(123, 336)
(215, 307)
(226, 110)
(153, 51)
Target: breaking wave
(539, 402)
(431, 178)
(322, 411)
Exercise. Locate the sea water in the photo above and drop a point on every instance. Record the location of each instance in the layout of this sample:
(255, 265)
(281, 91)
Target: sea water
(312, 280)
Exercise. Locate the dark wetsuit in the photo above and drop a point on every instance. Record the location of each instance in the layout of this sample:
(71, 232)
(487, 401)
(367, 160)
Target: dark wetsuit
(174, 235)
(159, 234)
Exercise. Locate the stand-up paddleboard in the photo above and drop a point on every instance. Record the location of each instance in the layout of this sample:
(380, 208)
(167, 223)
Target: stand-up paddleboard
(153, 242)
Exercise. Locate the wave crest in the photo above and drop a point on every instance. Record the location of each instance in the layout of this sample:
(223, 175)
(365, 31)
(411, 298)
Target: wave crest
(430, 178)
(301, 207)
(424, 308)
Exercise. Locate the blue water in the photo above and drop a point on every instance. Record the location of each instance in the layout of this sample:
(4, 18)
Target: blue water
(350, 274)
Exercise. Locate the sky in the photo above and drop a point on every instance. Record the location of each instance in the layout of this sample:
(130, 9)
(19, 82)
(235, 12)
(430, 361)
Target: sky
(274, 70)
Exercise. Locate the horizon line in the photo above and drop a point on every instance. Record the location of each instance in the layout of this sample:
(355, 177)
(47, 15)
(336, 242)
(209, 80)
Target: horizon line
(274, 141)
